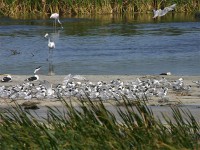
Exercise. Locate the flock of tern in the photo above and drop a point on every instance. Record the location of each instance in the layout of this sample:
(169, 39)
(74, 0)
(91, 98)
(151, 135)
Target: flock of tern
(77, 86)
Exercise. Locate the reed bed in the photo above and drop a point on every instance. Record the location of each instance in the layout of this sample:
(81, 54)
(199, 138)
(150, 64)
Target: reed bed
(15, 8)
(92, 126)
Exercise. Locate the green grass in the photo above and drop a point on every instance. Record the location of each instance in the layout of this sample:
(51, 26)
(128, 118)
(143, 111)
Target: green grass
(15, 8)
(92, 126)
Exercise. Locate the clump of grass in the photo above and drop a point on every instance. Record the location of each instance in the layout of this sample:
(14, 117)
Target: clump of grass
(92, 126)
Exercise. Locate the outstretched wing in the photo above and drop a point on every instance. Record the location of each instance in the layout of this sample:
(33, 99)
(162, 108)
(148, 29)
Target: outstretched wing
(79, 77)
(46, 84)
(167, 9)
(155, 13)
(67, 79)
(170, 8)
(48, 87)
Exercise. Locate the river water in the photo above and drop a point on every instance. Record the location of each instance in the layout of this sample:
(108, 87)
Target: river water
(102, 45)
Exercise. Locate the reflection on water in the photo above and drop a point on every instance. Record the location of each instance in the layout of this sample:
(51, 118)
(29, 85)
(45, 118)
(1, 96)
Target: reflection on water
(131, 44)
(50, 60)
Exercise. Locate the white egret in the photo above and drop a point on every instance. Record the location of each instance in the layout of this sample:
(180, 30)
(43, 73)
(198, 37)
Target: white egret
(51, 44)
(56, 17)
(162, 12)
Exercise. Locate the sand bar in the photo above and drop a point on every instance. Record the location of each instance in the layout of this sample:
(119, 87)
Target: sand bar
(191, 100)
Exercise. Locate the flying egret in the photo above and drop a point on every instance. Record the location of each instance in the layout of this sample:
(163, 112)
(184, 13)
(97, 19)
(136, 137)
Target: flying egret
(56, 17)
(162, 12)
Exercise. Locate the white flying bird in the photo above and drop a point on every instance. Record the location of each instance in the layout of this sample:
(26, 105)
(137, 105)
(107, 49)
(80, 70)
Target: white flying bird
(162, 12)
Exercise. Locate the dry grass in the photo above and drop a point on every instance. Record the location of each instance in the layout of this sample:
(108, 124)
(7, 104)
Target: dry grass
(14, 8)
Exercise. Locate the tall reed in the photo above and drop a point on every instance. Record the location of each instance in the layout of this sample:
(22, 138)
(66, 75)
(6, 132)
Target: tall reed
(90, 7)
(91, 125)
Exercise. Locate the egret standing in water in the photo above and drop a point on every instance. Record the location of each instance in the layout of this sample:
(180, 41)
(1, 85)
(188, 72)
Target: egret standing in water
(56, 17)
(163, 11)
(51, 46)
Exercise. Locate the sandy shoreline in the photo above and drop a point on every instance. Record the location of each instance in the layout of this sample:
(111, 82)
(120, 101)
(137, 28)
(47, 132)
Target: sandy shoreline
(193, 98)
(189, 101)
(56, 79)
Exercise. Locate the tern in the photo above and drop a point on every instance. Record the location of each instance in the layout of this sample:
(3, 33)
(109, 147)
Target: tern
(7, 78)
(33, 78)
(197, 83)
(37, 69)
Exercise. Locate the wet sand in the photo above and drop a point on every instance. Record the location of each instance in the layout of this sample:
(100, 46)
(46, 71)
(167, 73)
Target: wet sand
(189, 100)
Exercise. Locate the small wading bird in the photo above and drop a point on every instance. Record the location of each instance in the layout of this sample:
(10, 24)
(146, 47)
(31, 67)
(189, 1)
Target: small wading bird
(56, 17)
(7, 78)
(51, 44)
(163, 11)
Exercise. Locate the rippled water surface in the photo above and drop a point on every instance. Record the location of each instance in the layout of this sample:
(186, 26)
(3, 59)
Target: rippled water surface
(102, 45)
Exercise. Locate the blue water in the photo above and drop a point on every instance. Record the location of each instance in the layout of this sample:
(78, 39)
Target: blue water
(102, 46)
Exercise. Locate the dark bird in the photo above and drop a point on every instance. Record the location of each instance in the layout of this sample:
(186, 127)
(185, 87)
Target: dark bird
(33, 78)
(14, 52)
(8, 78)
(166, 73)
(197, 15)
